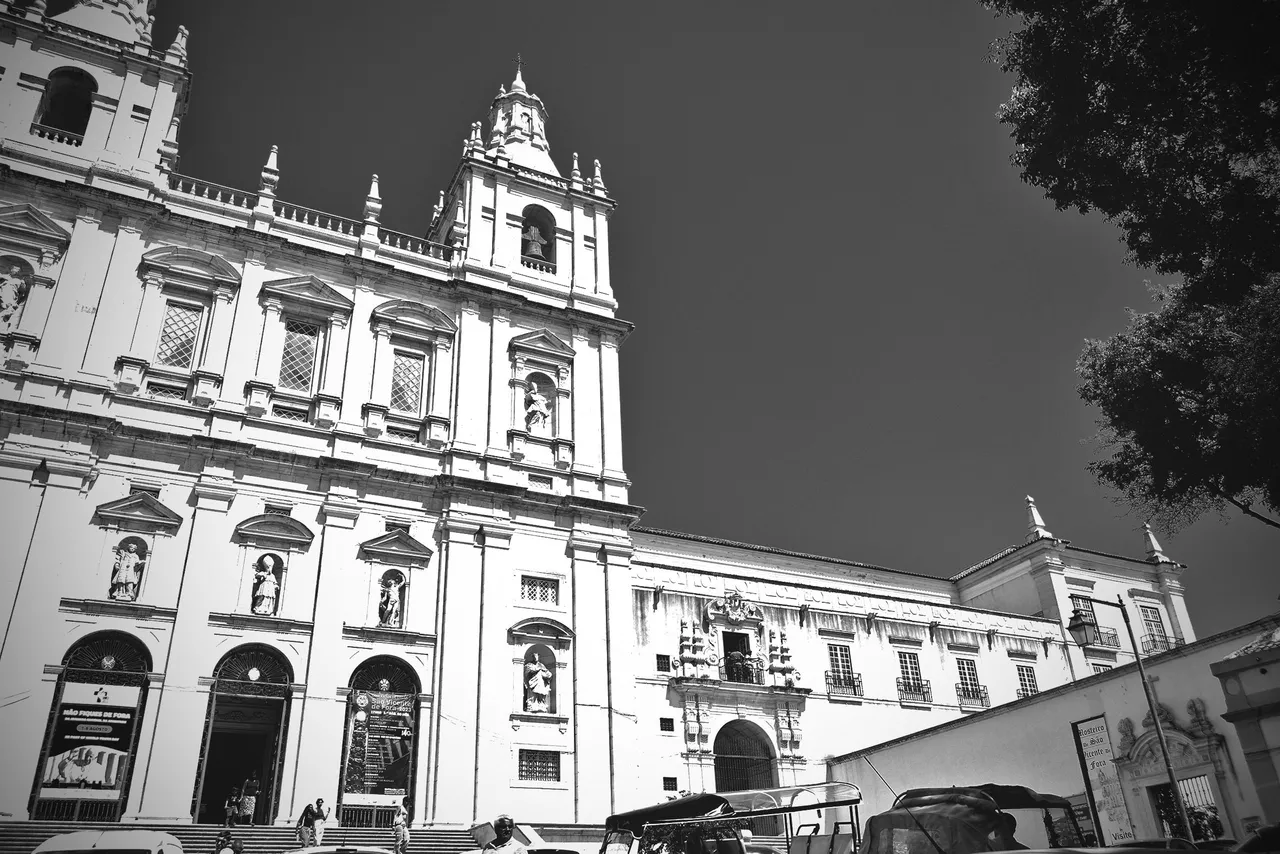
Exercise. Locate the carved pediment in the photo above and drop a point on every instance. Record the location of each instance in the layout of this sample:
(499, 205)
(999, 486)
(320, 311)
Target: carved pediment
(308, 291)
(274, 530)
(411, 317)
(543, 342)
(541, 630)
(27, 231)
(182, 265)
(395, 547)
(138, 512)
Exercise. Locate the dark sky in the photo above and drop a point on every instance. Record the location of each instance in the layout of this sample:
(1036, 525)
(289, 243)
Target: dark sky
(855, 328)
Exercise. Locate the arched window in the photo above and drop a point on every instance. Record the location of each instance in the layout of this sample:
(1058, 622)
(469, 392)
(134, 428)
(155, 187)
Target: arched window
(68, 100)
(15, 283)
(379, 745)
(538, 239)
(246, 728)
(126, 571)
(539, 404)
(87, 758)
(540, 679)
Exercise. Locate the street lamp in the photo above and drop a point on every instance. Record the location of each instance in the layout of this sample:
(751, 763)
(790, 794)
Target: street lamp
(1084, 631)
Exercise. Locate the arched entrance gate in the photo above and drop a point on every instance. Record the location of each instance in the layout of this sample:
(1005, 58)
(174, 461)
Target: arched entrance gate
(379, 745)
(244, 733)
(744, 760)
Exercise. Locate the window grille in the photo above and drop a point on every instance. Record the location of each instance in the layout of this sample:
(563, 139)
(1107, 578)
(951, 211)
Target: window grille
(1101, 668)
(298, 361)
(666, 724)
(153, 491)
(1082, 603)
(166, 392)
(540, 765)
(288, 413)
(1027, 681)
(664, 664)
(537, 481)
(968, 669)
(403, 434)
(544, 590)
(909, 663)
(841, 661)
(178, 335)
(1152, 620)
(670, 784)
(277, 510)
(406, 383)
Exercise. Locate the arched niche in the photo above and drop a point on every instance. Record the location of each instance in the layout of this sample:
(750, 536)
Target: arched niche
(268, 543)
(538, 239)
(68, 100)
(541, 390)
(541, 657)
(86, 760)
(245, 732)
(17, 276)
(391, 561)
(380, 741)
(134, 526)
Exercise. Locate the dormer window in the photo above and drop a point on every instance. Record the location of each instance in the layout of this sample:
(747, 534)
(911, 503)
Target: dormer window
(538, 239)
(67, 103)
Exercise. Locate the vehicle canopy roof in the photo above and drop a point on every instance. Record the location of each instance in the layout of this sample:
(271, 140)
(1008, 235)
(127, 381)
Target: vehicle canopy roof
(749, 803)
(108, 840)
(688, 808)
(957, 819)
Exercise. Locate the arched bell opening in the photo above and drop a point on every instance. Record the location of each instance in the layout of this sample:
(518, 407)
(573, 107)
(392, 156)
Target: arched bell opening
(244, 736)
(379, 743)
(538, 238)
(68, 101)
(86, 761)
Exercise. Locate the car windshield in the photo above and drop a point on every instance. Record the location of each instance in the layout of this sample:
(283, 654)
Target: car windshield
(1049, 827)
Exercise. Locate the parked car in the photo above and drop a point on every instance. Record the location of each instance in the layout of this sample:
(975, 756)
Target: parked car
(1178, 843)
(114, 841)
(340, 849)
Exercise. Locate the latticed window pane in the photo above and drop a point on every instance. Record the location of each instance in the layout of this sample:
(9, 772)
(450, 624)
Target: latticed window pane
(841, 661)
(540, 765)
(1101, 668)
(1082, 603)
(663, 663)
(910, 664)
(666, 724)
(545, 590)
(298, 362)
(670, 784)
(1152, 620)
(1027, 680)
(968, 673)
(406, 383)
(178, 336)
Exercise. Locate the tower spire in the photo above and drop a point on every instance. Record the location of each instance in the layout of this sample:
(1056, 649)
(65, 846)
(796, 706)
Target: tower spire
(1155, 554)
(1035, 523)
(518, 123)
(517, 85)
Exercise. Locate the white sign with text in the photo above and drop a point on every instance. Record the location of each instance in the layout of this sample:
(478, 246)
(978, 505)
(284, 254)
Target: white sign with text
(1100, 774)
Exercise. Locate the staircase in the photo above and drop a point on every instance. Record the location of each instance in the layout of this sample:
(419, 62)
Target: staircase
(21, 837)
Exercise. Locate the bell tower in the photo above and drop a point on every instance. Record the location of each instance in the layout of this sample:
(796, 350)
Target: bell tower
(86, 96)
(524, 226)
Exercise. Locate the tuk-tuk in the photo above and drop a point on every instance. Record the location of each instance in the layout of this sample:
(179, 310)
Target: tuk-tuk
(723, 823)
(966, 820)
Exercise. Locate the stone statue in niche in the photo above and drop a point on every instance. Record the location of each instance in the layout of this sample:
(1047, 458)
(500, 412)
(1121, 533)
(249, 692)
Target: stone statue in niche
(266, 585)
(533, 243)
(537, 686)
(537, 410)
(1127, 738)
(389, 601)
(126, 571)
(14, 284)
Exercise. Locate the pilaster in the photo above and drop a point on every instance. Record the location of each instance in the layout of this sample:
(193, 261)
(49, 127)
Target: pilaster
(63, 339)
(116, 308)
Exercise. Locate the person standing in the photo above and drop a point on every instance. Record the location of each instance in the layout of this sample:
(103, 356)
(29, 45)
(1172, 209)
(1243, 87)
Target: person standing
(322, 815)
(400, 824)
(249, 798)
(504, 828)
(232, 807)
(307, 826)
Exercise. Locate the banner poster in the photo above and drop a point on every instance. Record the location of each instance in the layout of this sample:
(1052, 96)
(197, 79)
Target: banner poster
(92, 736)
(381, 747)
(1102, 781)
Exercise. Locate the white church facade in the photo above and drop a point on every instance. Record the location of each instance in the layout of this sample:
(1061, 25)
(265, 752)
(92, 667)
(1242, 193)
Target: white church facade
(296, 498)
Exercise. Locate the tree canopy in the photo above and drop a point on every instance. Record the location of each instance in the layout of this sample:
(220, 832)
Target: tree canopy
(1165, 118)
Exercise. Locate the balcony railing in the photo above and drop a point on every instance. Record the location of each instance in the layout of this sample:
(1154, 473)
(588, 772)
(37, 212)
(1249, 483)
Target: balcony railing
(973, 696)
(213, 192)
(915, 690)
(55, 135)
(844, 684)
(1023, 693)
(1152, 644)
(539, 264)
(743, 670)
(1109, 638)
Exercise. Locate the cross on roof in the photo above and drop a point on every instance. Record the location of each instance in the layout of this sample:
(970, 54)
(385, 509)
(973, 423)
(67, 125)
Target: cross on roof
(519, 64)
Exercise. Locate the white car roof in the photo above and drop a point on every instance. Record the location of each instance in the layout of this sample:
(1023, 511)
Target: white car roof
(108, 840)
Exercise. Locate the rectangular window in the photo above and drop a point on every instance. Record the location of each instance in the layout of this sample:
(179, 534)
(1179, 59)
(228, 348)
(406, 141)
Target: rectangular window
(909, 662)
(541, 765)
(1152, 620)
(153, 491)
(666, 724)
(1101, 668)
(1027, 681)
(178, 335)
(968, 669)
(664, 664)
(277, 510)
(841, 661)
(670, 784)
(543, 590)
(1082, 603)
(298, 361)
(406, 382)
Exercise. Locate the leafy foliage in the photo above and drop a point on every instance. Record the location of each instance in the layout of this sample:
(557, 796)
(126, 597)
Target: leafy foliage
(1190, 401)
(1165, 118)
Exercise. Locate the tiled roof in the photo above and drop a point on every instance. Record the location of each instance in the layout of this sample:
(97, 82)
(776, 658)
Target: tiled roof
(1008, 550)
(716, 541)
(1264, 642)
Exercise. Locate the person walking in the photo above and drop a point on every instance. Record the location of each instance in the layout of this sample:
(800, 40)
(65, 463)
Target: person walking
(232, 806)
(249, 798)
(400, 824)
(322, 815)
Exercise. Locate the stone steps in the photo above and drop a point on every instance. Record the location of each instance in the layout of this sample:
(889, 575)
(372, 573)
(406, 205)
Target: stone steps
(20, 837)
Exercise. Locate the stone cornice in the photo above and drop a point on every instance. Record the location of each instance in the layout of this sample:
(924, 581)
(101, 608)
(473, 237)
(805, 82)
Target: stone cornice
(399, 637)
(111, 608)
(261, 623)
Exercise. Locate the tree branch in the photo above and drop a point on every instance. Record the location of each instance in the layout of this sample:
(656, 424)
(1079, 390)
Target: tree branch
(1244, 508)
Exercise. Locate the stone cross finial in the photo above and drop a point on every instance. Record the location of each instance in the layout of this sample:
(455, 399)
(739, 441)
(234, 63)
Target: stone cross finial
(576, 174)
(177, 52)
(1035, 524)
(373, 202)
(270, 174)
(37, 9)
(1155, 554)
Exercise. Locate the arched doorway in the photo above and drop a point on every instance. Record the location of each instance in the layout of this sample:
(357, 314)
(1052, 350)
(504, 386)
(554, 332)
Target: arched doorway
(379, 744)
(102, 691)
(744, 760)
(244, 734)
